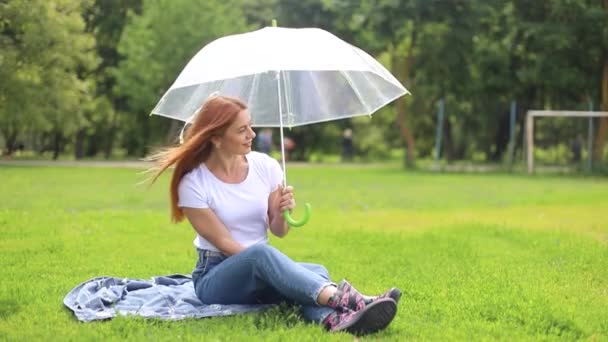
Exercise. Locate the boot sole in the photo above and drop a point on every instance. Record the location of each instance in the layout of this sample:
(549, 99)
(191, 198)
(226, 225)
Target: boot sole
(374, 317)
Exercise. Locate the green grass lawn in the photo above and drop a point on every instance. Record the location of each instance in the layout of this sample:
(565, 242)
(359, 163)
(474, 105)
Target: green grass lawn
(478, 257)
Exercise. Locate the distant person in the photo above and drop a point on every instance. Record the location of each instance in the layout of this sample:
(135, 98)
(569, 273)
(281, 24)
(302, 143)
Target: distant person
(233, 197)
(19, 149)
(576, 148)
(347, 145)
(289, 144)
(264, 140)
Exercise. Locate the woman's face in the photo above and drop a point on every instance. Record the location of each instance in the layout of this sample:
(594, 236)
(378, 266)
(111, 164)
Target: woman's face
(238, 137)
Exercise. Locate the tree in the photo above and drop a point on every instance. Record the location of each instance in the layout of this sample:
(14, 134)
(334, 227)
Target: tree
(156, 45)
(44, 48)
(391, 27)
(105, 19)
(427, 43)
(557, 54)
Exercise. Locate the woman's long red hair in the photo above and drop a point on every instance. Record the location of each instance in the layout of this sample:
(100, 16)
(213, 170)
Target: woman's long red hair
(211, 120)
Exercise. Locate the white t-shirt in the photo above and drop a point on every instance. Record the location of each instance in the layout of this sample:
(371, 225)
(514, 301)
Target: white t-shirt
(242, 207)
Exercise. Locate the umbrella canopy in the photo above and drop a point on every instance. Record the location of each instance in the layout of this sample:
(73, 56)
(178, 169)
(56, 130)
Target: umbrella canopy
(309, 75)
(287, 77)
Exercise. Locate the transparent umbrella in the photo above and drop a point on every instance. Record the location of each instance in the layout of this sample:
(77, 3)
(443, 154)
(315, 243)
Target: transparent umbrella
(287, 77)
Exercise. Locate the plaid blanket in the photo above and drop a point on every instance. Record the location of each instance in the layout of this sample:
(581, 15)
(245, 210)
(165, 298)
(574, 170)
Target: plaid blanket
(166, 297)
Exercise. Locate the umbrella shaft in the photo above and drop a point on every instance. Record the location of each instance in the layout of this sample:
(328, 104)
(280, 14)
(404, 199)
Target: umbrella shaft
(281, 126)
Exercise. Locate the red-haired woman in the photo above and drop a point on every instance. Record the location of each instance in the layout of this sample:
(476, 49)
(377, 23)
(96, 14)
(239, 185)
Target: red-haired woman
(232, 196)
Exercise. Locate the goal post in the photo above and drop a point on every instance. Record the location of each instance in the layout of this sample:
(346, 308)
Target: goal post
(531, 114)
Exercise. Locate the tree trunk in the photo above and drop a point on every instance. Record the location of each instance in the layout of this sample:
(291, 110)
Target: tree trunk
(109, 146)
(79, 144)
(402, 71)
(10, 140)
(56, 145)
(92, 143)
(145, 138)
(448, 143)
(600, 140)
(406, 134)
(602, 133)
(501, 138)
(525, 101)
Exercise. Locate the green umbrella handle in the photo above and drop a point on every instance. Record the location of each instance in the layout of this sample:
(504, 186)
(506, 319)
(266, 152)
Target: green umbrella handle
(302, 221)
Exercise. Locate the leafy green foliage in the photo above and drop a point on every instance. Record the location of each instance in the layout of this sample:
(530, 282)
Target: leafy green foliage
(83, 76)
(44, 51)
(155, 50)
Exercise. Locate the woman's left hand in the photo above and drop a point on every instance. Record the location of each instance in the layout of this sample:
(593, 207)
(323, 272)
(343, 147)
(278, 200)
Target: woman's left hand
(280, 200)
(287, 201)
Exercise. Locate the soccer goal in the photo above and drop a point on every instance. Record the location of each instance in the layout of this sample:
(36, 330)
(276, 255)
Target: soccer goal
(529, 137)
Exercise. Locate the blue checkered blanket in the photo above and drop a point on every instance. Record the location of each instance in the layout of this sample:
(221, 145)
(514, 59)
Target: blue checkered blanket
(166, 297)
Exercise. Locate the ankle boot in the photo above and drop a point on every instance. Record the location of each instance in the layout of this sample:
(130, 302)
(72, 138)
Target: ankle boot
(354, 300)
(369, 319)
(346, 298)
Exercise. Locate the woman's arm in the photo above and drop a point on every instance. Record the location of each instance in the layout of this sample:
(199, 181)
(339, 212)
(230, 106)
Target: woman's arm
(279, 201)
(207, 225)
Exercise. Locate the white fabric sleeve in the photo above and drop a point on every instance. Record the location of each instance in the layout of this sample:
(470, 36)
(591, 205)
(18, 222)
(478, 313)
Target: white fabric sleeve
(190, 194)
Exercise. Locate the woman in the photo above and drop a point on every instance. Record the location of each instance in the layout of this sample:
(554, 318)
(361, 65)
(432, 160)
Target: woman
(232, 196)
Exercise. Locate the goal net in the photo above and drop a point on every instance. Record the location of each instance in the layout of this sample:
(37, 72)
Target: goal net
(562, 138)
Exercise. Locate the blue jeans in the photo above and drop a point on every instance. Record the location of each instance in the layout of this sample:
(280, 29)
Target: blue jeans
(261, 274)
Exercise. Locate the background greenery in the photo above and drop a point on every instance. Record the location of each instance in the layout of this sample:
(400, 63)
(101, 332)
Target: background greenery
(79, 77)
(478, 257)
